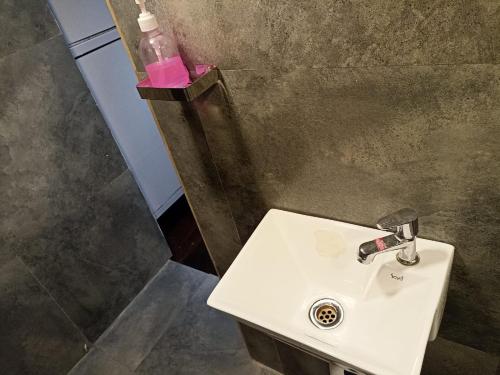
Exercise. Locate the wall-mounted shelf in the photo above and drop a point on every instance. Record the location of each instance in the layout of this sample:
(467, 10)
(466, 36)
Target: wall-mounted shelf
(209, 76)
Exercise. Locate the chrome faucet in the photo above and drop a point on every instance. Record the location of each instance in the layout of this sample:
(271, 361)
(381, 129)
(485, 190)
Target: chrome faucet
(404, 224)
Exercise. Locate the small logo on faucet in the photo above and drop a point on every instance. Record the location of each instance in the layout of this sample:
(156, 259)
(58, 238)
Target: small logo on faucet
(396, 277)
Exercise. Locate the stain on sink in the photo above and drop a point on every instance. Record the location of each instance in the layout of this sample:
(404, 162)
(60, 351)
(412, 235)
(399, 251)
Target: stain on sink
(329, 243)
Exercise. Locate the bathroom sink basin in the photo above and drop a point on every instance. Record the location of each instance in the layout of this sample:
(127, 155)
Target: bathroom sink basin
(390, 311)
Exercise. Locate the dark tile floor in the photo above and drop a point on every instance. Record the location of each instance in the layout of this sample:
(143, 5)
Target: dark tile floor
(169, 329)
(33, 327)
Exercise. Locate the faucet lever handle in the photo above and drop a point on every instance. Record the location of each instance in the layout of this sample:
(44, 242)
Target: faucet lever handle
(403, 222)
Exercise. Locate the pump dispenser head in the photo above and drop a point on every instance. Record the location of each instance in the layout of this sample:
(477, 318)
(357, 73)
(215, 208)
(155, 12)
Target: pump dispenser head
(147, 21)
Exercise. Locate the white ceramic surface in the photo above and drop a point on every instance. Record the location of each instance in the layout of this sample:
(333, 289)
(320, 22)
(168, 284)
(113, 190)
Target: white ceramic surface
(293, 260)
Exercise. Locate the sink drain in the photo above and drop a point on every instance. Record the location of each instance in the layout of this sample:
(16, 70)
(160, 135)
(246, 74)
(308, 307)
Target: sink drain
(326, 313)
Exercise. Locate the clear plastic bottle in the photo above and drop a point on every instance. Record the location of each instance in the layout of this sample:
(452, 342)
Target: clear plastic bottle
(159, 54)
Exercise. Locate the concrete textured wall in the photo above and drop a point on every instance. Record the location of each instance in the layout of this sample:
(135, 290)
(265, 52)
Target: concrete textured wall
(348, 110)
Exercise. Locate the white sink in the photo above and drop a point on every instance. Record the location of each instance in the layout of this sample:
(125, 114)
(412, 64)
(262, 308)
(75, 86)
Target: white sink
(390, 311)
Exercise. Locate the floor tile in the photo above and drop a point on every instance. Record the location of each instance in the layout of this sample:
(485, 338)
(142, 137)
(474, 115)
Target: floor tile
(138, 329)
(96, 362)
(201, 340)
(36, 337)
(91, 295)
(169, 329)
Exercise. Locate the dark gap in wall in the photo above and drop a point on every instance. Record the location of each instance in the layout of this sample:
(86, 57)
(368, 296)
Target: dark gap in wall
(184, 238)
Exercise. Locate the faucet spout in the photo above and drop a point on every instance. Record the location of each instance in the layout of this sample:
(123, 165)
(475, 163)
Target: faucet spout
(404, 223)
(369, 250)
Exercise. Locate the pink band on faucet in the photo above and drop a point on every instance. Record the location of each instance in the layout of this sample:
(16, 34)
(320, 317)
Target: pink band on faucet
(381, 246)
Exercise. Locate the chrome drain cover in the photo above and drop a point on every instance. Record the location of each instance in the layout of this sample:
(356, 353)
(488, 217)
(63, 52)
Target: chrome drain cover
(326, 313)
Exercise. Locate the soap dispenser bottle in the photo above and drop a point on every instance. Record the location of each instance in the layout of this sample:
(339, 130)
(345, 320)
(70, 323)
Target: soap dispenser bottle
(159, 54)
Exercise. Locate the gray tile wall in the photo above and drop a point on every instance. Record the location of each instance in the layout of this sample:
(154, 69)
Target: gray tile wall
(77, 241)
(349, 110)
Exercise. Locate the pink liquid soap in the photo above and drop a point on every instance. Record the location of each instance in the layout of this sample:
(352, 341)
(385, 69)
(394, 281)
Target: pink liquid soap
(169, 73)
